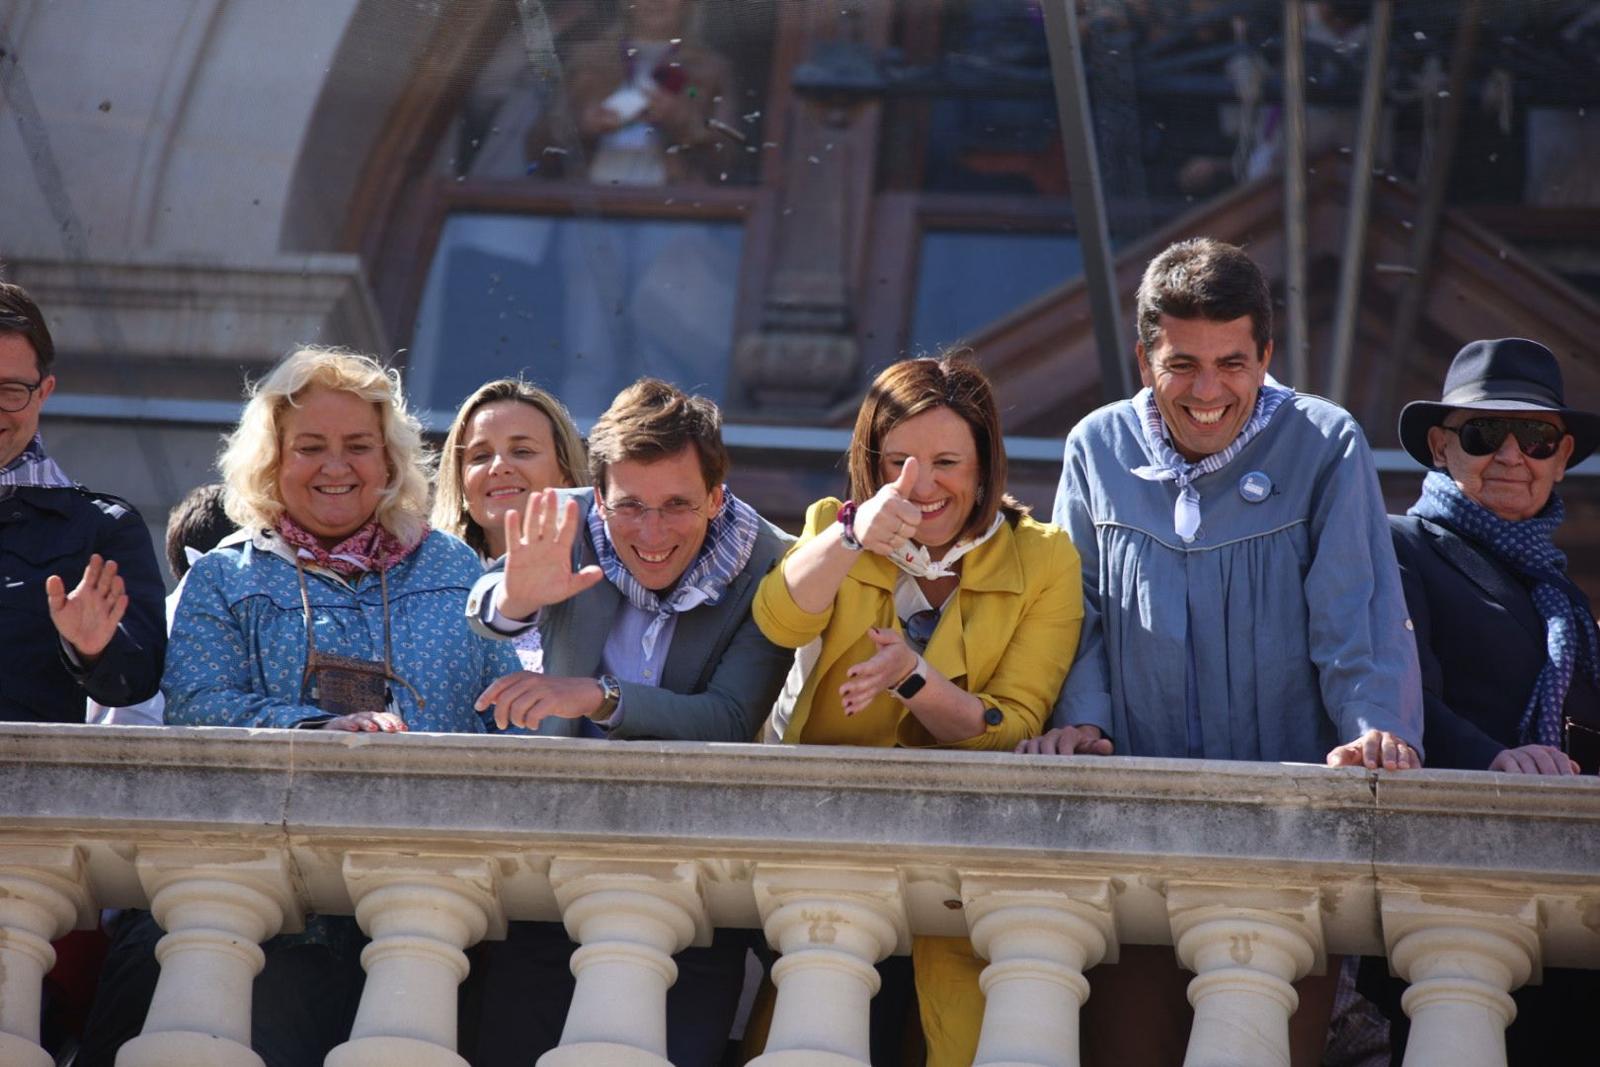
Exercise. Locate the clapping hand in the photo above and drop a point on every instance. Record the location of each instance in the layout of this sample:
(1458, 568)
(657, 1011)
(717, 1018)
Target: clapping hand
(890, 665)
(87, 617)
(538, 563)
(886, 522)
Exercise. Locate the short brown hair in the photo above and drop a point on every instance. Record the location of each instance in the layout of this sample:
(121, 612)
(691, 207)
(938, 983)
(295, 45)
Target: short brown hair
(1203, 278)
(199, 522)
(449, 498)
(20, 315)
(651, 420)
(909, 388)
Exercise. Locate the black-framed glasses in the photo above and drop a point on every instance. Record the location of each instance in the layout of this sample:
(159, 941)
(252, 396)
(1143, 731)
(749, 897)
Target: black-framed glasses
(14, 396)
(919, 628)
(633, 511)
(1483, 437)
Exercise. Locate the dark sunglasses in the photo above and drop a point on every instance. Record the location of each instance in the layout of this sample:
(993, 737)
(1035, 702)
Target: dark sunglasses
(1483, 437)
(920, 627)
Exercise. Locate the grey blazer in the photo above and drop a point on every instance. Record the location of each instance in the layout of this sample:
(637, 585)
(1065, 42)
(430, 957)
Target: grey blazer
(721, 674)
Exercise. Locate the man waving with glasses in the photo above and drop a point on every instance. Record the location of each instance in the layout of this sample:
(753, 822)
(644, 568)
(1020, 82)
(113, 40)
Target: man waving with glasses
(80, 560)
(641, 590)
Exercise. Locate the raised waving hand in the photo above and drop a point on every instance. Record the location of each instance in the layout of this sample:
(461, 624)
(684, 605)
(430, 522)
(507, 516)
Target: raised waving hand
(87, 617)
(538, 561)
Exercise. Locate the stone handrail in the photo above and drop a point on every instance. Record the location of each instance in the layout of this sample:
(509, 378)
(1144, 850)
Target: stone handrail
(1469, 882)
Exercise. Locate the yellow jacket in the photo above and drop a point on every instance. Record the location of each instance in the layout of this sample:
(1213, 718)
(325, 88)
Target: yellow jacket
(1008, 636)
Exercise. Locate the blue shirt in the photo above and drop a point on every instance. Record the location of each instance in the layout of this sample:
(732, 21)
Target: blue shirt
(1277, 634)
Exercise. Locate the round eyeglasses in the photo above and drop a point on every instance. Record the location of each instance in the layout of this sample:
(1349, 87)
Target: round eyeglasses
(14, 396)
(920, 626)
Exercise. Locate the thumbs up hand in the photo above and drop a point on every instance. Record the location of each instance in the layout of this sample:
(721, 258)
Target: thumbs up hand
(886, 522)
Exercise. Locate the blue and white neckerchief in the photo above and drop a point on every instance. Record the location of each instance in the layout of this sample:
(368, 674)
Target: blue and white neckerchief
(730, 540)
(33, 468)
(1528, 548)
(1170, 466)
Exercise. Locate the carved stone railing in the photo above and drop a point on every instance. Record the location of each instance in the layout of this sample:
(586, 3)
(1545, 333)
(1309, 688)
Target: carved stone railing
(1469, 883)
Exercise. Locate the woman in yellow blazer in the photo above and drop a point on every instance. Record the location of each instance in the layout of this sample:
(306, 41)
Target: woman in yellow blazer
(929, 611)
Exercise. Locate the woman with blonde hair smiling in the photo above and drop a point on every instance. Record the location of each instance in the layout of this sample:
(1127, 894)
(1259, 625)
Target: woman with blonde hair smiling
(509, 439)
(335, 606)
(362, 627)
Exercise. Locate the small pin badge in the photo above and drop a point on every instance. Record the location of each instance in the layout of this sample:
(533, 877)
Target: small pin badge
(1255, 487)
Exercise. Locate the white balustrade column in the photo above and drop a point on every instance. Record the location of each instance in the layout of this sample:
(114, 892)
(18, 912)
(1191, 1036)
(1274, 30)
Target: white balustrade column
(1462, 958)
(1247, 947)
(217, 906)
(42, 897)
(421, 912)
(832, 926)
(1040, 935)
(629, 919)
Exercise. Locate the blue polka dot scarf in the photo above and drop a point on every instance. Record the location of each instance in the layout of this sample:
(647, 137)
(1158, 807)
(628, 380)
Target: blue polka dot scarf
(1528, 548)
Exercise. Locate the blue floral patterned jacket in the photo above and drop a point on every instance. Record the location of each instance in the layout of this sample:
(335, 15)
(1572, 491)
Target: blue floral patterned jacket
(238, 646)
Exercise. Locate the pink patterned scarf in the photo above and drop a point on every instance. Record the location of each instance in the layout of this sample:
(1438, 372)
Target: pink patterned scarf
(371, 548)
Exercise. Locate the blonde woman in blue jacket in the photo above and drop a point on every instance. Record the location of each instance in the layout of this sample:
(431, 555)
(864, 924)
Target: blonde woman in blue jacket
(930, 611)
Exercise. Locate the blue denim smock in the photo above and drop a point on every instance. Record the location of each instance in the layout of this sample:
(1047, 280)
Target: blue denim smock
(1279, 633)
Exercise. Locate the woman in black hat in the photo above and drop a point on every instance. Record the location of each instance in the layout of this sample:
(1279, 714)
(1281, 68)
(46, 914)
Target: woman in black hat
(1509, 651)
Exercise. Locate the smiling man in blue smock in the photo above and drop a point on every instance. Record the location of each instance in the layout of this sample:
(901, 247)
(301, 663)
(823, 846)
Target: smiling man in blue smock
(1241, 595)
(1241, 598)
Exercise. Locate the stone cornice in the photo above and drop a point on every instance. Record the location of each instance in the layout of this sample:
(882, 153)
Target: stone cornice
(971, 808)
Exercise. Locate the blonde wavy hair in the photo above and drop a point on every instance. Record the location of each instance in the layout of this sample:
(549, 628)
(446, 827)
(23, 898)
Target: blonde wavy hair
(251, 454)
(449, 500)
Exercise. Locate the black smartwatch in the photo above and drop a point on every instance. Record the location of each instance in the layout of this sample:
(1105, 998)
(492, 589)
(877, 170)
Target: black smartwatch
(912, 683)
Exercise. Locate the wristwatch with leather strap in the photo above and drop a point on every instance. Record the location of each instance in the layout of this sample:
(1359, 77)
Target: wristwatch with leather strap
(611, 696)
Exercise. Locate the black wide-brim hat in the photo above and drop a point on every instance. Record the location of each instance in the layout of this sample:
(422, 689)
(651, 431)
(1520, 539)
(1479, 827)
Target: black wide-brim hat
(1510, 374)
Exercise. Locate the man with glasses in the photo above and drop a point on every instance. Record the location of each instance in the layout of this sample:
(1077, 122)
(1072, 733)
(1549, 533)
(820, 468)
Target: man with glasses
(80, 590)
(641, 590)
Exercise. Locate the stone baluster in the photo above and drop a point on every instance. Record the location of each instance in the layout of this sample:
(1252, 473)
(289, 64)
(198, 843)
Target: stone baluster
(832, 927)
(42, 897)
(1462, 956)
(1247, 947)
(1040, 935)
(421, 912)
(629, 918)
(217, 906)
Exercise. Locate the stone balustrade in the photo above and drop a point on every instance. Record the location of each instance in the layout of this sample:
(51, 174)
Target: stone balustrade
(1469, 883)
